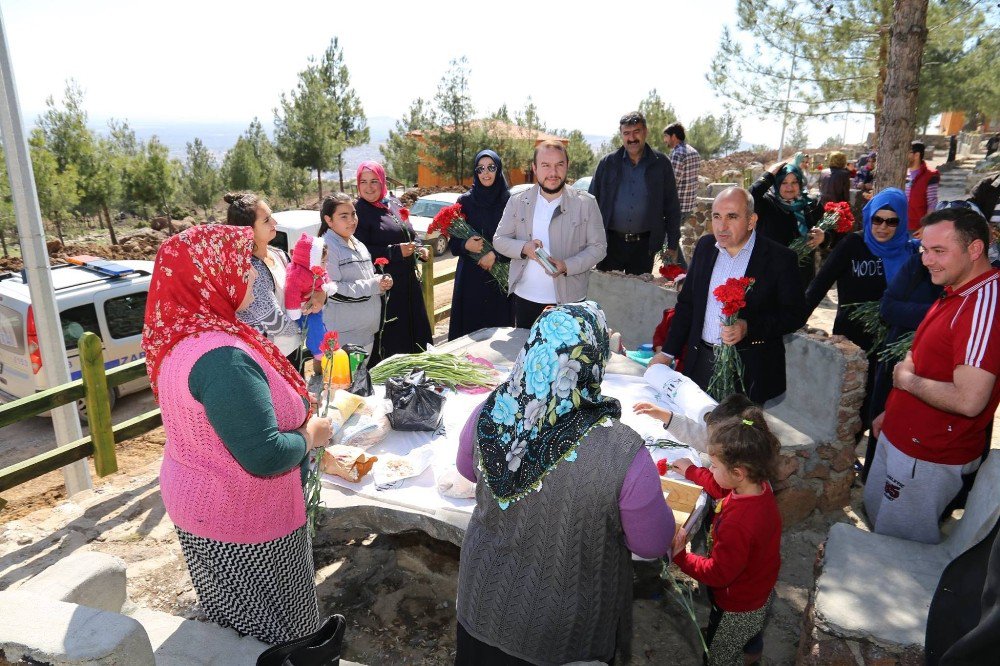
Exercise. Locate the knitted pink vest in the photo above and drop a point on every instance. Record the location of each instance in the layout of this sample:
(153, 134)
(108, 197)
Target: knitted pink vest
(205, 490)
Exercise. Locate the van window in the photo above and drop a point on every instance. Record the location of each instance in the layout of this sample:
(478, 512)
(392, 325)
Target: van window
(125, 314)
(11, 330)
(77, 321)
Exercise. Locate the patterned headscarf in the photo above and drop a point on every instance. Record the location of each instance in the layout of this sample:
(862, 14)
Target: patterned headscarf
(199, 279)
(536, 418)
(796, 207)
(379, 172)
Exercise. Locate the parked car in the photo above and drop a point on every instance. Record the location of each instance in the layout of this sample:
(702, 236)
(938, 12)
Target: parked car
(292, 224)
(105, 297)
(517, 189)
(582, 183)
(422, 213)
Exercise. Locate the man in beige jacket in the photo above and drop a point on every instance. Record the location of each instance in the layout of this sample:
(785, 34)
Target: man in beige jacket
(565, 222)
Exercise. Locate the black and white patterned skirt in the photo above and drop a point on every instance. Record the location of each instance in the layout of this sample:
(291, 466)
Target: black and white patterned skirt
(265, 590)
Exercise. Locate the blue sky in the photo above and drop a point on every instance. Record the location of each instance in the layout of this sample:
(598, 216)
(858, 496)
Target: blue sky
(221, 61)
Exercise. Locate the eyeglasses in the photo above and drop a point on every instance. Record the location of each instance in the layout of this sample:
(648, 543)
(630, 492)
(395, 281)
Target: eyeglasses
(492, 168)
(891, 222)
(959, 203)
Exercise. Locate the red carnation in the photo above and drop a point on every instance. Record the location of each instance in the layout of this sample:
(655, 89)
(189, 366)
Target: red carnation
(661, 467)
(380, 262)
(404, 214)
(443, 220)
(317, 271)
(671, 271)
(330, 344)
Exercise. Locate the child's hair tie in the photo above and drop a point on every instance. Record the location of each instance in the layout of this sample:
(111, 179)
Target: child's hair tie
(747, 422)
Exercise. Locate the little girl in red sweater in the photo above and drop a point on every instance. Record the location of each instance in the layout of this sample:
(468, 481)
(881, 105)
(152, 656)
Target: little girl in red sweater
(745, 540)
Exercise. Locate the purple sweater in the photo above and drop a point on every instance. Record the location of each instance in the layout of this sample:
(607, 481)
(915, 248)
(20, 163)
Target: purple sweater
(647, 521)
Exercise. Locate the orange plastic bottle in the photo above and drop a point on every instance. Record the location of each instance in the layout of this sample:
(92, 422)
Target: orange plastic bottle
(341, 376)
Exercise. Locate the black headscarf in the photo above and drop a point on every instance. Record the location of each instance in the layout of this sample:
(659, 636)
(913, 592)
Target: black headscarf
(497, 193)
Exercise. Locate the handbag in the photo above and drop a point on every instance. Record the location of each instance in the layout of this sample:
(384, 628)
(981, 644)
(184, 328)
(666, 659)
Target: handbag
(320, 648)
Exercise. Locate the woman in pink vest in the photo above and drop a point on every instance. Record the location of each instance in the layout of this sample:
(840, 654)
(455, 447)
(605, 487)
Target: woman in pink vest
(236, 416)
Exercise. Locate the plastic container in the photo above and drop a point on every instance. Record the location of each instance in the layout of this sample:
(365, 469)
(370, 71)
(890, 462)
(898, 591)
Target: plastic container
(341, 373)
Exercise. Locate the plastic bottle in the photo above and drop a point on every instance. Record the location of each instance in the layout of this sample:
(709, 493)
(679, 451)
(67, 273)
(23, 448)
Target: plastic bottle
(341, 377)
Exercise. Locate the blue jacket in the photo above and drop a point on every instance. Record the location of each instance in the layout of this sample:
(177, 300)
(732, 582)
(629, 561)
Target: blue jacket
(907, 298)
(664, 206)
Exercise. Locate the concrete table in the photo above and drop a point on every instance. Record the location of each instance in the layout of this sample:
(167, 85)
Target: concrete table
(344, 508)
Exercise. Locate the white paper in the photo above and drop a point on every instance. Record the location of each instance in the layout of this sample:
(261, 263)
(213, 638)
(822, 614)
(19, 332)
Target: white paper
(679, 393)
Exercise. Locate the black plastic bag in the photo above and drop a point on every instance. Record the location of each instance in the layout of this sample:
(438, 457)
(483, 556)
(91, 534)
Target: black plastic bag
(361, 381)
(416, 403)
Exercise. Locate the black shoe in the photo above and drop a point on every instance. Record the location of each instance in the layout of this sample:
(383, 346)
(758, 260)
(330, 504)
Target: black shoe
(320, 648)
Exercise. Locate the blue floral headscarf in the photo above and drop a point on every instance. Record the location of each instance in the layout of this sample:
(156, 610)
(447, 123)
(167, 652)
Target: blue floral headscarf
(537, 418)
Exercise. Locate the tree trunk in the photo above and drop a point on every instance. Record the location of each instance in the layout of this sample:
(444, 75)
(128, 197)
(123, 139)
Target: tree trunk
(898, 122)
(319, 182)
(340, 170)
(111, 226)
(3, 241)
(59, 232)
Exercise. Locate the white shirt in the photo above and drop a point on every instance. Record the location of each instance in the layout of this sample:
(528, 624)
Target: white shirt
(535, 284)
(725, 267)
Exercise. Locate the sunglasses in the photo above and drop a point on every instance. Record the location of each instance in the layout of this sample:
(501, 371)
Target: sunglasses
(492, 168)
(888, 221)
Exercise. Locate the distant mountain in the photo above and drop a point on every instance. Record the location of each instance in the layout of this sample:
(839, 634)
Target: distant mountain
(221, 136)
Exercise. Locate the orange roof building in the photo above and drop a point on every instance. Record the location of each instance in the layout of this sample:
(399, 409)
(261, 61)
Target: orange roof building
(428, 174)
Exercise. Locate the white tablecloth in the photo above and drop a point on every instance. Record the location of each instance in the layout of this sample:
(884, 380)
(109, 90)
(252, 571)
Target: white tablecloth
(420, 492)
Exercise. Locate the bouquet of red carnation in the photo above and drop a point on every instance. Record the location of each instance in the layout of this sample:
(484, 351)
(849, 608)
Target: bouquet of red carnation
(450, 222)
(727, 375)
(671, 271)
(837, 216)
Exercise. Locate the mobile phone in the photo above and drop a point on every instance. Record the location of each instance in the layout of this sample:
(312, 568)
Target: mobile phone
(544, 257)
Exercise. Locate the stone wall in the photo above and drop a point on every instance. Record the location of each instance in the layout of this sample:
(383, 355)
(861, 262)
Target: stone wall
(817, 418)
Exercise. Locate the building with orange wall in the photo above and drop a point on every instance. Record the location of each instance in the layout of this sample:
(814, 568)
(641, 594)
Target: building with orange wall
(427, 172)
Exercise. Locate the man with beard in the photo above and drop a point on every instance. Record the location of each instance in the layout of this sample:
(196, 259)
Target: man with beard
(553, 235)
(637, 193)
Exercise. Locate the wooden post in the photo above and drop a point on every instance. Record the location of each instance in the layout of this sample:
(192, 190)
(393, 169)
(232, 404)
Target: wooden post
(428, 285)
(95, 383)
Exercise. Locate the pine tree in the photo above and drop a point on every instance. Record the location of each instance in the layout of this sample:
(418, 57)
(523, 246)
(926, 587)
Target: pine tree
(401, 151)
(712, 136)
(306, 130)
(448, 144)
(351, 124)
(201, 176)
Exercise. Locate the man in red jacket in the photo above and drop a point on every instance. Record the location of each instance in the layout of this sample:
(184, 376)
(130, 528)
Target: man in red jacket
(946, 389)
(921, 187)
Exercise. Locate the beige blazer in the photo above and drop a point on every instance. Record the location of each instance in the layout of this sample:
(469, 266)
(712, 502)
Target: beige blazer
(576, 236)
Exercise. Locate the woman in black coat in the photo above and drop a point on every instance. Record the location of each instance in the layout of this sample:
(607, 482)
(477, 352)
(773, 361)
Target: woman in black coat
(478, 301)
(785, 212)
(387, 235)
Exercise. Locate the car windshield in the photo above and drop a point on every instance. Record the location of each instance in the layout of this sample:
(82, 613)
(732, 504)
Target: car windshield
(427, 207)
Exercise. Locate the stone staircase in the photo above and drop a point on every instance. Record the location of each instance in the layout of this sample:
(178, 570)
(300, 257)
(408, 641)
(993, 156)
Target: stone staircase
(957, 180)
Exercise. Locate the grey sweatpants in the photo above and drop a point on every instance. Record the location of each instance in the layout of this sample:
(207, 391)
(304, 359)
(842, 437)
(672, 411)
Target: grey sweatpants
(904, 496)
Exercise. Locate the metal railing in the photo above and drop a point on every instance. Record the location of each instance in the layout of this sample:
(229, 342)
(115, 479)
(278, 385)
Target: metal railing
(94, 388)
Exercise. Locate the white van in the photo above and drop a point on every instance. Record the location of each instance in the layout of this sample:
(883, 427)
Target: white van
(105, 297)
(291, 225)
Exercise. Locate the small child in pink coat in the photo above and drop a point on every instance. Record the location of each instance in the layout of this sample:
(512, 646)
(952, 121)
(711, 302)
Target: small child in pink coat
(306, 275)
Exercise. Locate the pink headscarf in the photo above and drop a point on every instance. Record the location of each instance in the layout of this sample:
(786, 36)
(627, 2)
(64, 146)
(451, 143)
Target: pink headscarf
(379, 172)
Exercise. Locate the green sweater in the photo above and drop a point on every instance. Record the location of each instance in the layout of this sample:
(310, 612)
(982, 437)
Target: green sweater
(237, 399)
